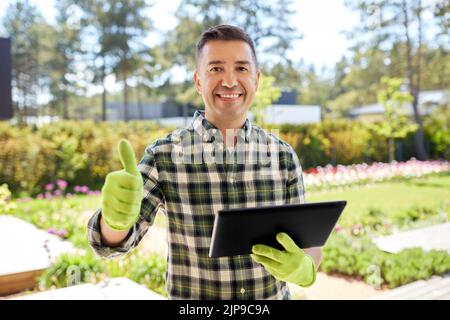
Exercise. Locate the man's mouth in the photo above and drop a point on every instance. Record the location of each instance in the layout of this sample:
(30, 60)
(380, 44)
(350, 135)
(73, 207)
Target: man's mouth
(229, 97)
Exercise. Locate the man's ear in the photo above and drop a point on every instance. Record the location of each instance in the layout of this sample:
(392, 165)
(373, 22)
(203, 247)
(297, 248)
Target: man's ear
(198, 86)
(258, 75)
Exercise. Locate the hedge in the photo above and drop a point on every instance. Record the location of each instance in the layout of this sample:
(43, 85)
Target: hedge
(83, 152)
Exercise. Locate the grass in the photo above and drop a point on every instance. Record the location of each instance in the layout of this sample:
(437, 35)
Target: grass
(389, 198)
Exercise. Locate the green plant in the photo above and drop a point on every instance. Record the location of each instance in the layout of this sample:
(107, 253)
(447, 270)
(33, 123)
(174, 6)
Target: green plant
(264, 97)
(415, 214)
(71, 269)
(149, 271)
(85, 267)
(396, 123)
(359, 257)
(6, 205)
(437, 130)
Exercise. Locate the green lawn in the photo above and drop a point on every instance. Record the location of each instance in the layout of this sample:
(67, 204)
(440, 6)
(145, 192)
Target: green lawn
(391, 198)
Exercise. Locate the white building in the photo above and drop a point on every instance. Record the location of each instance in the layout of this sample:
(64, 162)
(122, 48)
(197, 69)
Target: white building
(292, 114)
(428, 101)
(286, 110)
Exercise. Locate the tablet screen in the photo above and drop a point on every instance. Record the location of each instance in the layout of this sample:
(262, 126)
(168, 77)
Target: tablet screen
(235, 231)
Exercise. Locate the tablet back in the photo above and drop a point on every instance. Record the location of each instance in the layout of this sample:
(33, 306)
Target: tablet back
(309, 225)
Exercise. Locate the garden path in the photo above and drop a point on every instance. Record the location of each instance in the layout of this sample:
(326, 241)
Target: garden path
(429, 238)
(25, 251)
(435, 288)
(112, 289)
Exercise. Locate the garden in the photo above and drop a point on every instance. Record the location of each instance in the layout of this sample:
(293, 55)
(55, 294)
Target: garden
(383, 199)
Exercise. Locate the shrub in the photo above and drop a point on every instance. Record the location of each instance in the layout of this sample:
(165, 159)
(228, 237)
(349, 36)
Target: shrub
(72, 269)
(361, 258)
(84, 152)
(6, 205)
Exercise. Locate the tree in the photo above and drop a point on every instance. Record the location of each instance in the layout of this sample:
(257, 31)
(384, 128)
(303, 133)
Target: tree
(386, 22)
(264, 97)
(119, 28)
(62, 56)
(21, 24)
(95, 23)
(396, 123)
(125, 39)
(358, 79)
(267, 22)
(288, 75)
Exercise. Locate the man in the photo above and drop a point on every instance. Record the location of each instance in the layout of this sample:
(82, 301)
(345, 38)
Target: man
(196, 171)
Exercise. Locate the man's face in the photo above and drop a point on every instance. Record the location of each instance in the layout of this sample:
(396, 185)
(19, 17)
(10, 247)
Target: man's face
(227, 78)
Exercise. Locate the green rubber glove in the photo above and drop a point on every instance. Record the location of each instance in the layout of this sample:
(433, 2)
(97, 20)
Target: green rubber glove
(292, 265)
(122, 191)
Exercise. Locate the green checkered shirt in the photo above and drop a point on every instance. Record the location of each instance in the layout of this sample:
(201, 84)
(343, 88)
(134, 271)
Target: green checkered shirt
(190, 175)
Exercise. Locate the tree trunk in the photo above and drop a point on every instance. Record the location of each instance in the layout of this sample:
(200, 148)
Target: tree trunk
(125, 90)
(414, 88)
(103, 92)
(391, 149)
(103, 101)
(65, 106)
(139, 102)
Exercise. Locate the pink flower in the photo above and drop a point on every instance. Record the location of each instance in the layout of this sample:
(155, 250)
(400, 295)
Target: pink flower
(62, 233)
(84, 189)
(61, 184)
(57, 193)
(49, 186)
(48, 196)
(59, 233)
(40, 196)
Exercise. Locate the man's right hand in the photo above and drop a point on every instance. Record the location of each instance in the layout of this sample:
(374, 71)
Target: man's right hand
(122, 192)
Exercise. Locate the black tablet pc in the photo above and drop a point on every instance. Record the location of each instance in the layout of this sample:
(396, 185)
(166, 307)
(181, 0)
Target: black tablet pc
(308, 224)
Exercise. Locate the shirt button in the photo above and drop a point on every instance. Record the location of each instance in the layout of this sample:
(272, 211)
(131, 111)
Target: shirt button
(242, 290)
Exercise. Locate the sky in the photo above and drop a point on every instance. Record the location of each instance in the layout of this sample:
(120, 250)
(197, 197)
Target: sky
(320, 22)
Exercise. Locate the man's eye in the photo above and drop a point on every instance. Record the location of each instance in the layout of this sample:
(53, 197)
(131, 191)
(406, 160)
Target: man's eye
(243, 69)
(214, 69)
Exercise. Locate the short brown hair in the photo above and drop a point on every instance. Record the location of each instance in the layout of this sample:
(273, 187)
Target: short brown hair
(224, 32)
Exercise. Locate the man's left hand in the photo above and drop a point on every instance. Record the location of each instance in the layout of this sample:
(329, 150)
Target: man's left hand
(291, 265)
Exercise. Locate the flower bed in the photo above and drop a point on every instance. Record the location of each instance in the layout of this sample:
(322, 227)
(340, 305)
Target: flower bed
(329, 176)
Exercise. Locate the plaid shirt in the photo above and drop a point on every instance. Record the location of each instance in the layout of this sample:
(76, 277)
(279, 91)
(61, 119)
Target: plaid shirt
(190, 175)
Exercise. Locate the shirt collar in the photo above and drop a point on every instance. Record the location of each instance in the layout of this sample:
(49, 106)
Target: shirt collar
(205, 129)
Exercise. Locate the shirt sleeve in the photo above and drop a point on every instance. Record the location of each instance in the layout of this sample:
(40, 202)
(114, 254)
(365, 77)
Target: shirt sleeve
(152, 201)
(295, 189)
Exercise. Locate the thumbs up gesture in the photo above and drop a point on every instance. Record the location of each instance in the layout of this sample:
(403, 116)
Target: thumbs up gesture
(122, 191)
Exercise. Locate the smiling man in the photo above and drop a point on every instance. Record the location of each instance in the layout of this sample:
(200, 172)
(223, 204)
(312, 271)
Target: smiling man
(215, 169)
(227, 78)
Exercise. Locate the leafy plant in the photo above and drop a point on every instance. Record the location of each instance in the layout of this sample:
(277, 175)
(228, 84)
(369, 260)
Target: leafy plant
(71, 269)
(85, 267)
(6, 205)
(359, 257)
(396, 123)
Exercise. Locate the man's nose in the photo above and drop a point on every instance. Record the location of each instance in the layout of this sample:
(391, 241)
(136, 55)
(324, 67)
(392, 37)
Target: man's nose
(229, 80)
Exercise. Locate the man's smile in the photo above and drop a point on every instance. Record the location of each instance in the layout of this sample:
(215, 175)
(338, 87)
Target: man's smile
(229, 97)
